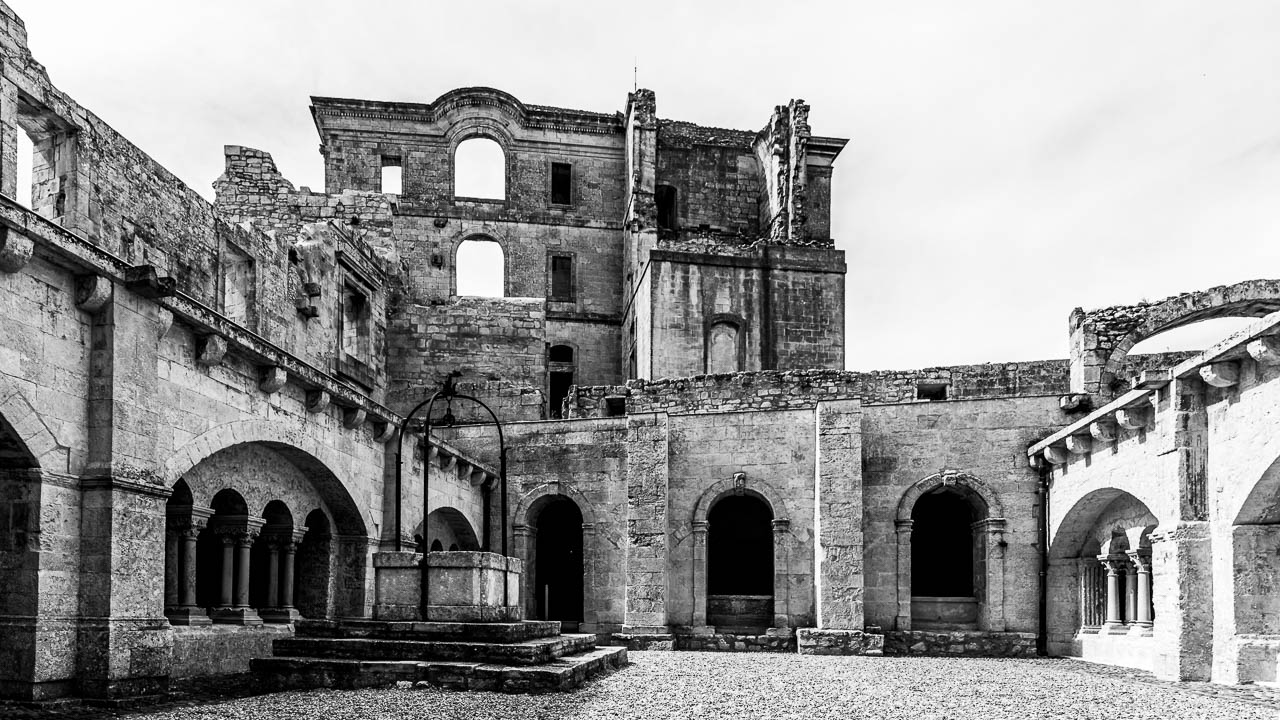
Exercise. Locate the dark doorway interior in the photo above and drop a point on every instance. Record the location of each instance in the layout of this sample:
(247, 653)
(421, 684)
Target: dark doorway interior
(942, 546)
(740, 547)
(558, 563)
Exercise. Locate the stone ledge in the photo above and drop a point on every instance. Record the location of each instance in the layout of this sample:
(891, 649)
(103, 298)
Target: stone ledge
(815, 641)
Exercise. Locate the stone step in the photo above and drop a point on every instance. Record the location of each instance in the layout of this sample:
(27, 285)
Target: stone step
(466, 632)
(526, 652)
(565, 673)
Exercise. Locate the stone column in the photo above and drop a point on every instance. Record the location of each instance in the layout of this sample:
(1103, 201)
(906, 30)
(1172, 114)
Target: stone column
(1140, 560)
(237, 534)
(902, 529)
(226, 588)
(1130, 591)
(700, 576)
(172, 572)
(781, 576)
(188, 531)
(526, 538)
(243, 543)
(590, 574)
(289, 548)
(273, 574)
(993, 603)
(1115, 565)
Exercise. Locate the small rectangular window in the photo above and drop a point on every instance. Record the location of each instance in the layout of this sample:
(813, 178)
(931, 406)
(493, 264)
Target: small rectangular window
(561, 277)
(392, 176)
(561, 176)
(355, 324)
(665, 198)
(615, 407)
(931, 391)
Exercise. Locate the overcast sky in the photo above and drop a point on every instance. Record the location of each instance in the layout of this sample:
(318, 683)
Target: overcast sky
(1007, 161)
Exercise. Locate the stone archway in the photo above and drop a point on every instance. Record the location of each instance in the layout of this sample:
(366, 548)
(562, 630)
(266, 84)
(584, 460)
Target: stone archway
(528, 541)
(948, 492)
(740, 485)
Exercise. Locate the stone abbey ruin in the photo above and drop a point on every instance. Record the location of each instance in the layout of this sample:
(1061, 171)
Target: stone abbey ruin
(203, 418)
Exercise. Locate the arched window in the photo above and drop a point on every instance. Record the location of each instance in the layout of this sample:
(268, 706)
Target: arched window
(722, 348)
(480, 269)
(479, 170)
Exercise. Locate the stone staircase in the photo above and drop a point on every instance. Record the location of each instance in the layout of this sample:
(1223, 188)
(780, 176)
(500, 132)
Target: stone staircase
(529, 656)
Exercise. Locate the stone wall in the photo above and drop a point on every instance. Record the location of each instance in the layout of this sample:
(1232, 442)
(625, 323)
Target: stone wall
(973, 644)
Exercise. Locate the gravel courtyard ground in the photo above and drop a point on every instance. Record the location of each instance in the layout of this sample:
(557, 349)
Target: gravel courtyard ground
(723, 685)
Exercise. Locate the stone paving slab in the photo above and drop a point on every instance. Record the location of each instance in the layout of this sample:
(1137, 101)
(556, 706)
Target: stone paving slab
(714, 685)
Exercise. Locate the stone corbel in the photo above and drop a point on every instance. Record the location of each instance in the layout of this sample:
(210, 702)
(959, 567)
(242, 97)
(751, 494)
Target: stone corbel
(92, 292)
(478, 477)
(1074, 402)
(353, 418)
(1103, 430)
(1221, 374)
(1079, 444)
(274, 377)
(210, 350)
(317, 400)
(1055, 455)
(383, 432)
(1134, 417)
(145, 281)
(1265, 350)
(16, 250)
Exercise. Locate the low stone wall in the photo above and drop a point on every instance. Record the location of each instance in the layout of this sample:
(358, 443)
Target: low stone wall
(959, 642)
(815, 641)
(222, 649)
(724, 642)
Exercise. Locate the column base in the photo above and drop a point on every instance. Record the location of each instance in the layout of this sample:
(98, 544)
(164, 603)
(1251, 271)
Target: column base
(1114, 629)
(187, 616)
(279, 615)
(235, 616)
(1141, 630)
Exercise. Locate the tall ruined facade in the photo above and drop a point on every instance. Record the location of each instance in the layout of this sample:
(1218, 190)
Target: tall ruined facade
(202, 409)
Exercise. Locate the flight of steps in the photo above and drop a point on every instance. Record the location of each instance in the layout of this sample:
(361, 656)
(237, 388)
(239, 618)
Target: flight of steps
(530, 656)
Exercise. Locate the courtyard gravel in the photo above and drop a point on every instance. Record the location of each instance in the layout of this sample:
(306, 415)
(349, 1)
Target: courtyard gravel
(734, 685)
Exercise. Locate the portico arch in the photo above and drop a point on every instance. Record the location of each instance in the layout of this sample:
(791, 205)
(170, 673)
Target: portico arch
(961, 516)
(562, 505)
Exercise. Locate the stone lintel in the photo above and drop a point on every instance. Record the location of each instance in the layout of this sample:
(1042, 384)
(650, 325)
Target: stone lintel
(317, 400)
(274, 377)
(1221, 374)
(210, 350)
(1079, 444)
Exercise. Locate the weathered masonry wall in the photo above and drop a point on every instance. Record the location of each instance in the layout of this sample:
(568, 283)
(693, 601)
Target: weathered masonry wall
(903, 444)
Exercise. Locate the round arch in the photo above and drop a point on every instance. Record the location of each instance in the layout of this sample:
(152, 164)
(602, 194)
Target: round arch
(314, 459)
(1261, 505)
(525, 506)
(740, 483)
(988, 495)
(30, 442)
(457, 524)
(482, 234)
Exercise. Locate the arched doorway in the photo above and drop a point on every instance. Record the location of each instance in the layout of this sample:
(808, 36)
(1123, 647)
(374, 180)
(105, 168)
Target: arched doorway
(558, 566)
(740, 564)
(945, 578)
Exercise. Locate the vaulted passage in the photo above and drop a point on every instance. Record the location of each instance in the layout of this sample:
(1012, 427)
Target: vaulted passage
(740, 563)
(558, 557)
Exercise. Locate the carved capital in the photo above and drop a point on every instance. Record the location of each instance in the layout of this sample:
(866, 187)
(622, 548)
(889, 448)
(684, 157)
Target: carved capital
(274, 377)
(1116, 563)
(1140, 559)
(903, 526)
(210, 350)
(15, 249)
(781, 526)
(317, 400)
(700, 527)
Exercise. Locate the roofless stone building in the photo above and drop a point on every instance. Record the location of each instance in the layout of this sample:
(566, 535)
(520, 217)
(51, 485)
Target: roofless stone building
(200, 405)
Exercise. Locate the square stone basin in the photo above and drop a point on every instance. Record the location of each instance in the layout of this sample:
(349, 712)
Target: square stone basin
(466, 586)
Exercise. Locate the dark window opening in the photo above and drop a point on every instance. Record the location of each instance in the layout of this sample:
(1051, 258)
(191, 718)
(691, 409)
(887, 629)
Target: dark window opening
(561, 277)
(665, 198)
(561, 182)
(453, 547)
(559, 390)
(632, 370)
(931, 391)
(942, 546)
(740, 547)
(560, 353)
(436, 545)
(355, 324)
(558, 564)
(615, 406)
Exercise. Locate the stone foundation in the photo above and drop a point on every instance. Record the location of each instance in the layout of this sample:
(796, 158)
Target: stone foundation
(813, 641)
(774, 640)
(959, 642)
(222, 649)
